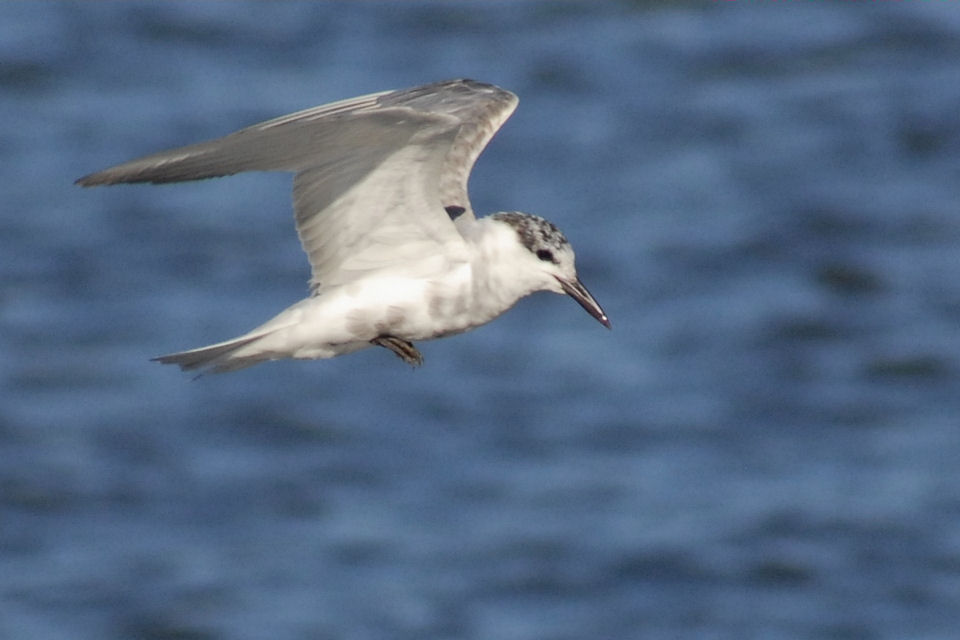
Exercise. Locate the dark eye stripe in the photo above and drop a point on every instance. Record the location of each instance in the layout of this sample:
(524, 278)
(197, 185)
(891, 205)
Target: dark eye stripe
(546, 255)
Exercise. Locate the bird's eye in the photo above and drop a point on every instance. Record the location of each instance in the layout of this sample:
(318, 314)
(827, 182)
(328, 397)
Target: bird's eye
(545, 254)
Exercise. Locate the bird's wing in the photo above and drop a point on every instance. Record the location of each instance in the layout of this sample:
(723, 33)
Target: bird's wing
(380, 179)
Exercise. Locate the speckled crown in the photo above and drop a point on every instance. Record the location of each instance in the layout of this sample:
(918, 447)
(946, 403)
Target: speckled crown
(535, 233)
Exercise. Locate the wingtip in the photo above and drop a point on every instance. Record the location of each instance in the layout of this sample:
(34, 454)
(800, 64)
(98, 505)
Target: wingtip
(118, 176)
(97, 179)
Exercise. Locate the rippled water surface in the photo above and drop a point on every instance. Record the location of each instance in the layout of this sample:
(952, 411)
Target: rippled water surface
(764, 196)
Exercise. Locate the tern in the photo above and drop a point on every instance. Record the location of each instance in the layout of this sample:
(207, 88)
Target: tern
(382, 212)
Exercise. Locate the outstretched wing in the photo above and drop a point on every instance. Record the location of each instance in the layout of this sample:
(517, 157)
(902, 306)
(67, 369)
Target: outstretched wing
(379, 178)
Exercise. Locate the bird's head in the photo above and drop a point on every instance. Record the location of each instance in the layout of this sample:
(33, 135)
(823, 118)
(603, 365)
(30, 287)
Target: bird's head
(548, 256)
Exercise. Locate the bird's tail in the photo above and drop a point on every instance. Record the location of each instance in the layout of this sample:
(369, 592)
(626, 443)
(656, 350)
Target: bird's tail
(219, 358)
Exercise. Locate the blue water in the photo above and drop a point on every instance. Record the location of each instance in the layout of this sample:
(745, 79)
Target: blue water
(764, 197)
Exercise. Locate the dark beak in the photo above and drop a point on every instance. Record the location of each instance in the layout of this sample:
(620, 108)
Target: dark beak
(578, 292)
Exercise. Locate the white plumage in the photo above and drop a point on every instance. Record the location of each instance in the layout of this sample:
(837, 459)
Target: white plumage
(381, 207)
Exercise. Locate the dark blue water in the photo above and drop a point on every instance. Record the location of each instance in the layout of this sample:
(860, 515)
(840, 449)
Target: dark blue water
(764, 196)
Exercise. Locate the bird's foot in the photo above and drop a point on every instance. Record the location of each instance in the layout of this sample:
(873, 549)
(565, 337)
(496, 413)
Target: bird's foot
(404, 349)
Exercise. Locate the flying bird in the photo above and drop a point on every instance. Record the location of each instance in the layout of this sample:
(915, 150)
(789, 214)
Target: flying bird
(381, 209)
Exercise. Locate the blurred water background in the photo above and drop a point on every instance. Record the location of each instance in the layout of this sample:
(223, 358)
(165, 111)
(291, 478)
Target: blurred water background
(764, 197)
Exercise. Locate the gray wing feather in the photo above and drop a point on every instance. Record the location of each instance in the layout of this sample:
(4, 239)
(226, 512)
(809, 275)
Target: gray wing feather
(352, 159)
(288, 143)
(480, 110)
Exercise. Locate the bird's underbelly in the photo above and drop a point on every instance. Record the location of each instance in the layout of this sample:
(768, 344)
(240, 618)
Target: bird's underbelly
(425, 311)
(346, 318)
(408, 308)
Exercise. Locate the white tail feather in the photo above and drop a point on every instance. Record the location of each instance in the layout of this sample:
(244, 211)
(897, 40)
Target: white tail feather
(217, 358)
